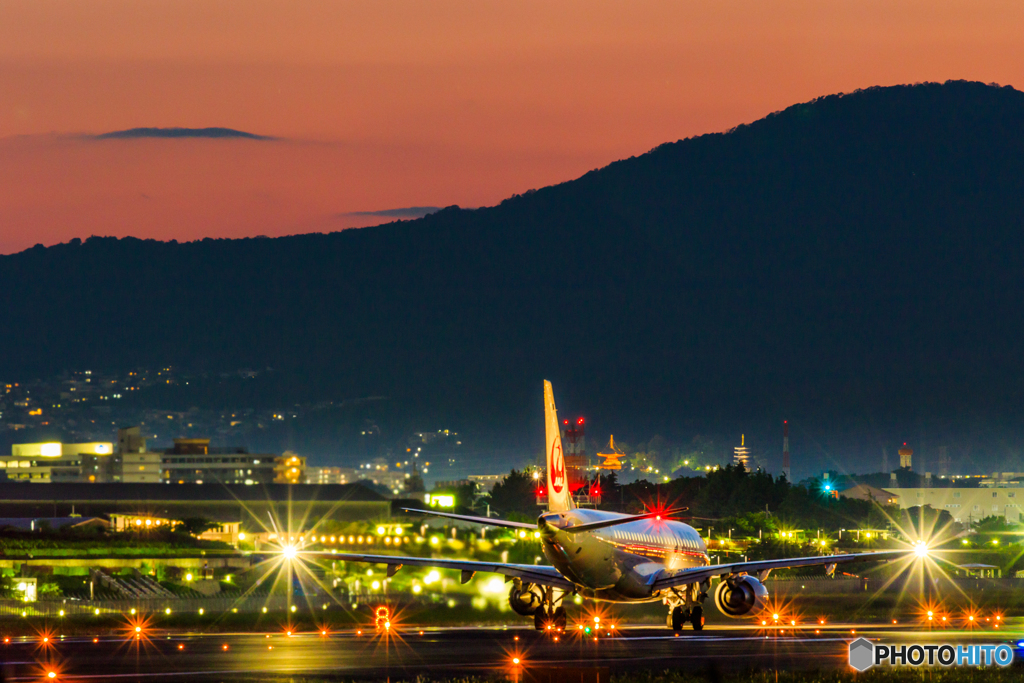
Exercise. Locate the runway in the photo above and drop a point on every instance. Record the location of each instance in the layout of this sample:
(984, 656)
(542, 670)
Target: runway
(162, 657)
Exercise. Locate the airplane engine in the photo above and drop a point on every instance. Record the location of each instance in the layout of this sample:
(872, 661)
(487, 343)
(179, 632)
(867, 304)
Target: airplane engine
(740, 596)
(526, 600)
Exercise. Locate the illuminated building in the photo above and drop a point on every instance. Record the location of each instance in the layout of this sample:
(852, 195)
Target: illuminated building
(53, 462)
(965, 504)
(194, 461)
(331, 475)
(741, 454)
(612, 459)
(290, 469)
(138, 465)
(226, 532)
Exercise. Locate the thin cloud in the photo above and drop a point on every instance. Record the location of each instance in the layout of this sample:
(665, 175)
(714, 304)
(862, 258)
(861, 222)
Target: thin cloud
(407, 212)
(180, 133)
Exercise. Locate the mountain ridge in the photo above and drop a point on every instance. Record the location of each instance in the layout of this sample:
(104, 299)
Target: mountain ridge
(825, 261)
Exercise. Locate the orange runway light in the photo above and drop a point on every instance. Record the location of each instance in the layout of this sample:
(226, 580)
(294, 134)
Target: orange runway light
(224, 646)
(181, 647)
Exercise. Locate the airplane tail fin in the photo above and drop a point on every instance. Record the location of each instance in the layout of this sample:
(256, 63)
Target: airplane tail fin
(559, 496)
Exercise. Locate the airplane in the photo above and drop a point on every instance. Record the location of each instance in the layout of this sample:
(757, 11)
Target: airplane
(608, 556)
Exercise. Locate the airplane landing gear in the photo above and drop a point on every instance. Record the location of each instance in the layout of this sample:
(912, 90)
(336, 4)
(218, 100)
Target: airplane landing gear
(686, 607)
(555, 618)
(697, 618)
(550, 613)
(678, 617)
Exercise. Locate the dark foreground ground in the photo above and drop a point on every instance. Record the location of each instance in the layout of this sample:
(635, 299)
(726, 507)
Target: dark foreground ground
(718, 653)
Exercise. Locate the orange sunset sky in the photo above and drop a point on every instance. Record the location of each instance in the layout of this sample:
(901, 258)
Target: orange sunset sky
(387, 104)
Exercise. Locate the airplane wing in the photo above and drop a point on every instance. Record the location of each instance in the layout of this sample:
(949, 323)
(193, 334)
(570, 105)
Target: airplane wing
(543, 575)
(698, 574)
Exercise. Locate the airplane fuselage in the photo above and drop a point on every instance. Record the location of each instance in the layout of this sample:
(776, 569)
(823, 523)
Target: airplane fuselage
(621, 562)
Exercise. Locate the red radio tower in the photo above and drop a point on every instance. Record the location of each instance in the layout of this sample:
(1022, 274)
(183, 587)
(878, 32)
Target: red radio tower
(575, 454)
(785, 451)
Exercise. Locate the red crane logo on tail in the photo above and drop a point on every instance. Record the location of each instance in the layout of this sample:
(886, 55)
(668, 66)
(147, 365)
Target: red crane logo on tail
(557, 467)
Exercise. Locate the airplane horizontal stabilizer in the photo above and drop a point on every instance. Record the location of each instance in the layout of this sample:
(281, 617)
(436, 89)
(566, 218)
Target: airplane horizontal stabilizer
(476, 520)
(592, 526)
